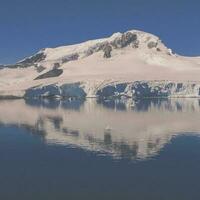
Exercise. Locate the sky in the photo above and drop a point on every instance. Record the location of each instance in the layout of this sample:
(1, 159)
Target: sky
(27, 26)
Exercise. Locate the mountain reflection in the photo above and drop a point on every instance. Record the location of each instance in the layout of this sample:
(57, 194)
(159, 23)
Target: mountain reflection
(55, 103)
(120, 128)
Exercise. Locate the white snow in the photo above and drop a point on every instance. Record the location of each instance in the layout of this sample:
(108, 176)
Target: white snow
(127, 64)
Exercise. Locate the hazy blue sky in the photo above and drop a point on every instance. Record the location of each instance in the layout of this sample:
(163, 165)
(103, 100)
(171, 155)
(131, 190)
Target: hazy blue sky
(29, 25)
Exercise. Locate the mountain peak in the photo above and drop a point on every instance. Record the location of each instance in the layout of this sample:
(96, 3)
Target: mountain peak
(128, 41)
(131, 39)
(121, 58)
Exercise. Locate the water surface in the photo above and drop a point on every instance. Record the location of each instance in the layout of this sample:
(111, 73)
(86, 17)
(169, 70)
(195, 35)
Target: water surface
(147, 149)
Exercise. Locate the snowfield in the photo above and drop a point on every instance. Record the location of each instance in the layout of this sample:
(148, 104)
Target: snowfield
(133, 64)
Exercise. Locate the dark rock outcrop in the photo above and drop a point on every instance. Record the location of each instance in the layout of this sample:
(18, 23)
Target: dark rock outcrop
(28, 62)
(70, 57)
(56, 65)
(152, 45)
(125, 40)
(39, 68)
(107, 51)
(120, 42)
(32, 60)
(50, 74)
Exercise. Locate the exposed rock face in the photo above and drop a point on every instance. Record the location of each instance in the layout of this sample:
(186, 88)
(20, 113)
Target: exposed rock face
(125, 40)
(107, 51)
(91, 50)
(28, 62)
(16, 66)
(152, 45)
(158, 49)
(96, 48)
(70, 57)
(40, 68)
(56, 65)
(120, 42)
(32, 60)
(136, 44)
(50, 74)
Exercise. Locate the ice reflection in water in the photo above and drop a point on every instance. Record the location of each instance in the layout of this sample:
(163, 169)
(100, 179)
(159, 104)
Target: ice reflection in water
(119, 128)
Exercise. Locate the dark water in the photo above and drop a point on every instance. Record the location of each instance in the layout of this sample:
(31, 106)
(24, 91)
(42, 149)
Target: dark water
(143, 150)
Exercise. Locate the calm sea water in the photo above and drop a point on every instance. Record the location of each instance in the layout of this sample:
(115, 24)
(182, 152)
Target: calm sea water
(93, 150)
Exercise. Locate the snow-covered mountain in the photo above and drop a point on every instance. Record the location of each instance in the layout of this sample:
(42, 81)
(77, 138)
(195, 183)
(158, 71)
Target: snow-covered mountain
(131, 64)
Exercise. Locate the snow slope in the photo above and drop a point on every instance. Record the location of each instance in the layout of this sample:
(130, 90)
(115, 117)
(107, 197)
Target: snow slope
(133, 64)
